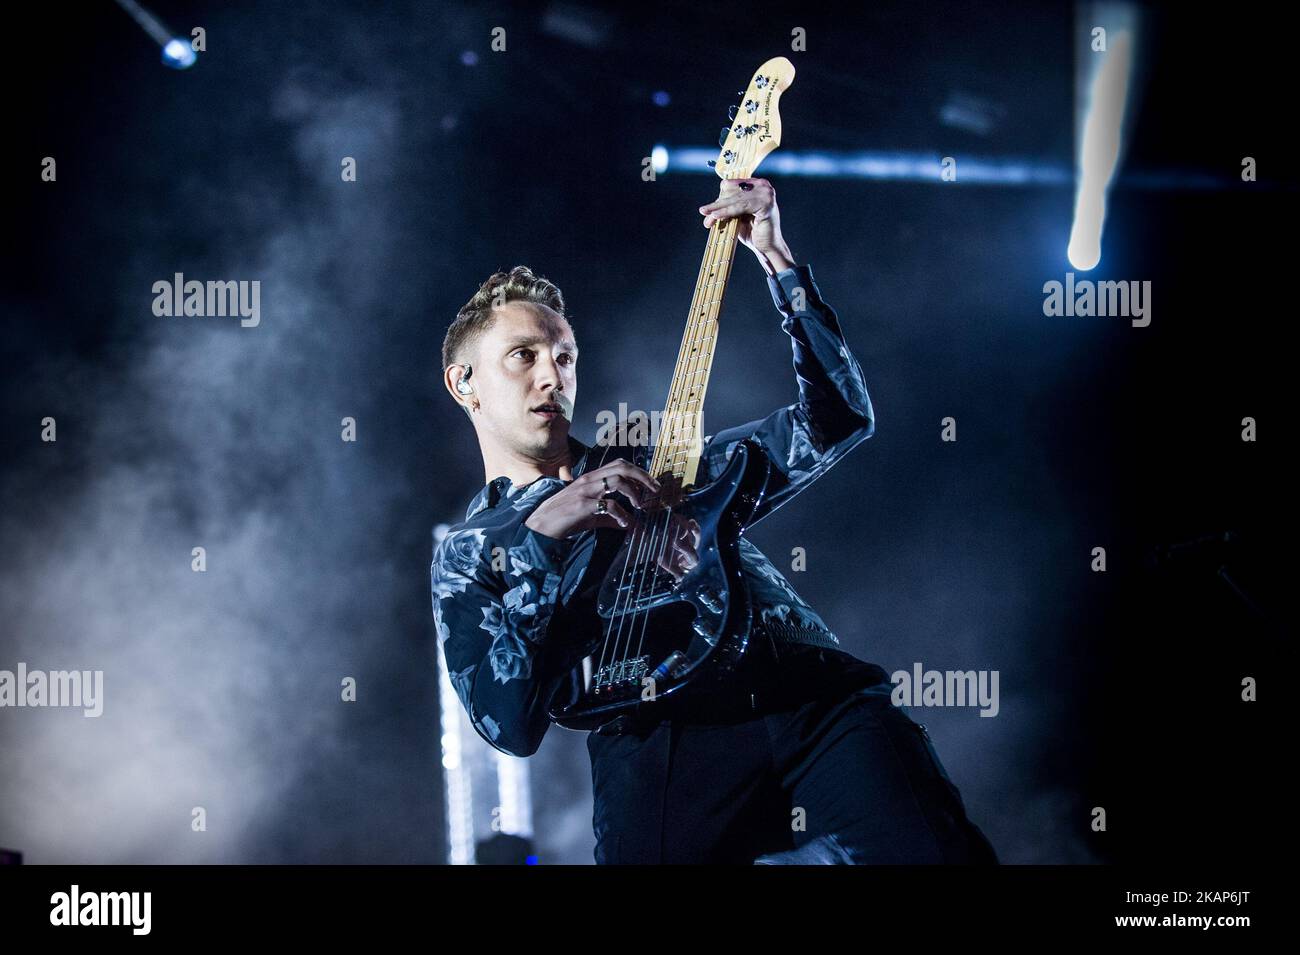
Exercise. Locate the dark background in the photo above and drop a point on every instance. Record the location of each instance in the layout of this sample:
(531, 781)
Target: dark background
(1119, 690)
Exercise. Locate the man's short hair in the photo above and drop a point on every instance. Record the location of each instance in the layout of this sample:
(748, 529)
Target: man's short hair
(476, 317)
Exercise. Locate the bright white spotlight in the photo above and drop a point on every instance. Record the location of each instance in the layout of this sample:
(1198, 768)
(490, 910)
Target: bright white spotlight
(659, 158)
(1099, 155)
(178, 54)
(176, 51)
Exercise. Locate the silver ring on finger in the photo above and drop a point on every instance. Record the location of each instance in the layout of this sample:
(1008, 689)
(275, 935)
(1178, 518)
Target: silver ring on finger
(606, 480)
(602, 507)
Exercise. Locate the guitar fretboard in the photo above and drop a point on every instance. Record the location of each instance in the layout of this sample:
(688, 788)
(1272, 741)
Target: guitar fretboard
(677, 450)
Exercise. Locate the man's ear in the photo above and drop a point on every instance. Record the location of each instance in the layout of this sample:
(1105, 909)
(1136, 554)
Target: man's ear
(451, 375)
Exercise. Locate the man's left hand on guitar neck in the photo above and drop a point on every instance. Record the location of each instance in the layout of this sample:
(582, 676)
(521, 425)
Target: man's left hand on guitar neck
(753, 203)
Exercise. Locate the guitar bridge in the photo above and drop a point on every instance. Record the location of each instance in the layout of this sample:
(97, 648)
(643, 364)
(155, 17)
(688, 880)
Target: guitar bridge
(622, 678)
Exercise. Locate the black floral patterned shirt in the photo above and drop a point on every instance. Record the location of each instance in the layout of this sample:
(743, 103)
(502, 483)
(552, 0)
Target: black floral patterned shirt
(496, 582)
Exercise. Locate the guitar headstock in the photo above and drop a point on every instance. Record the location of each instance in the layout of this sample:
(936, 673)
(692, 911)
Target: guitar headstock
(755, 128)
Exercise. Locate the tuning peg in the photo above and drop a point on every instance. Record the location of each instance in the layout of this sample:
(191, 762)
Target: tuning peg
(713, 164)
(722, 137)
(731, 112)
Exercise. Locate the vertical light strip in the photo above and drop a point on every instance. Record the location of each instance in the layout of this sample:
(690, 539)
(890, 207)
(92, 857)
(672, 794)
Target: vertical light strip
(1106, 76)
(513, 795)
(459, 791)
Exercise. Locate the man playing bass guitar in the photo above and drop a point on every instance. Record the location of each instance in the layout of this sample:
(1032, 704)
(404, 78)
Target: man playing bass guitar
(804, 759)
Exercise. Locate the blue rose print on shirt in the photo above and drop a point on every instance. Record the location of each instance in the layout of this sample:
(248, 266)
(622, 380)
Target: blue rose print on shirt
(456, 564)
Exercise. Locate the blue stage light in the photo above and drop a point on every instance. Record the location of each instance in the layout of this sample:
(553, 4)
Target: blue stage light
(1105, 75)
(659, 158)
(178, 54)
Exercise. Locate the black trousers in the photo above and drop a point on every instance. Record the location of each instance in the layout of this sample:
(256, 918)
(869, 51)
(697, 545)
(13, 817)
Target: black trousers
(804, 761)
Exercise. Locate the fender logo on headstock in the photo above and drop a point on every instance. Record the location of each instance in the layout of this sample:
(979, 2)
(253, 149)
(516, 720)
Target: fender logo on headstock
(767, 111)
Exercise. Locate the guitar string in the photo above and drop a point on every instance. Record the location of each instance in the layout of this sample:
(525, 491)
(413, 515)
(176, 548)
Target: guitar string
(638, 534)
(605, 644)
(650, 567)
(719, 256)
(645, 569)
(720, 265)
(719, 260)
(719, 252)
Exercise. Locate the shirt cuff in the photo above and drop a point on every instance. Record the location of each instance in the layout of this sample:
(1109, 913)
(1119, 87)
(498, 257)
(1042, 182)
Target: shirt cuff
(783, 287)
(538, 550)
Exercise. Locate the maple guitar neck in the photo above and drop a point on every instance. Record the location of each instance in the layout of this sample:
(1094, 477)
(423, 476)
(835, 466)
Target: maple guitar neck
(754, 132)
(680, 436)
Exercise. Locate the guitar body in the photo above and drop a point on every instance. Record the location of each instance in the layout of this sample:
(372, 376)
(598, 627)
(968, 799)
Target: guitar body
(651, 635)
(647, 627)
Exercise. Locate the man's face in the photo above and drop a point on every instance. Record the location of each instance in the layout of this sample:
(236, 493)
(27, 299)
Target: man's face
(527, 359)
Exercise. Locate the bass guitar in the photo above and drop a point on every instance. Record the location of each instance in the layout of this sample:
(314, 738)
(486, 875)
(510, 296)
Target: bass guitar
(650, 628)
